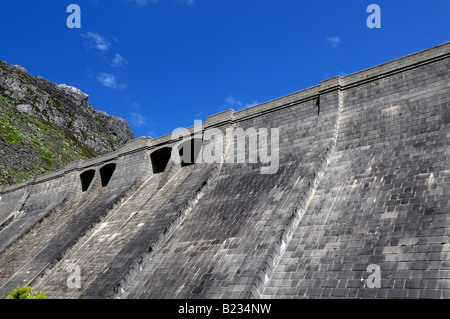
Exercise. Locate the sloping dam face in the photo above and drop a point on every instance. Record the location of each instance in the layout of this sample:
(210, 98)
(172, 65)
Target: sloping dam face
(339, 190)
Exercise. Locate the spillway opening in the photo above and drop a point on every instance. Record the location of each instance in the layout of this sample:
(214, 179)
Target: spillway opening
(189, 151)
(86, 179)
(160, 158)
(106, 172)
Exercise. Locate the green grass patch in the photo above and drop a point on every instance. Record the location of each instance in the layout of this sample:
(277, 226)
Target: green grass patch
(26, 293)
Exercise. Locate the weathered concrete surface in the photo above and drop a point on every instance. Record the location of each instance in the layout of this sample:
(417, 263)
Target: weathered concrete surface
(35, 254)
(384, 198)
(41, 200)
(225, 241)
(363, 179)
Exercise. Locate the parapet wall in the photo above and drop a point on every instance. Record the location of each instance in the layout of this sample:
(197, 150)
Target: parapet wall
(362, 178)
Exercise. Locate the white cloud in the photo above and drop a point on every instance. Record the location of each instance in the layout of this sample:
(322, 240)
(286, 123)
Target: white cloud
(119, 60)
(136, 106)
(198, 114)
(231, 102)
(251, 104)
(97, 41)
(137, 119)
(108, 80)
(333, 41)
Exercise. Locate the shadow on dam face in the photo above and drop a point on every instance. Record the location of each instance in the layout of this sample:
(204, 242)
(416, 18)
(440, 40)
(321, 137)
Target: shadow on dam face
(86, 179)
(106, 172)
(189, 151)
(160, 158)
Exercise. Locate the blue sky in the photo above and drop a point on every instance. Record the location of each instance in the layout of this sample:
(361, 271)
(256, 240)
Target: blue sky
(161, 64)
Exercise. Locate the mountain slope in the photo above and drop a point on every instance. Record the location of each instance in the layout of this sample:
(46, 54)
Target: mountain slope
(44, 126)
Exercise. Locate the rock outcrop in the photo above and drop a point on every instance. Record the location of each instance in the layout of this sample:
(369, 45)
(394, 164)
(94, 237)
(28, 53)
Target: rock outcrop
(44, 126)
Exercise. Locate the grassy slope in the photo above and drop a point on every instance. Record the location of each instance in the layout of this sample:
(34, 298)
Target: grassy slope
(48, 147)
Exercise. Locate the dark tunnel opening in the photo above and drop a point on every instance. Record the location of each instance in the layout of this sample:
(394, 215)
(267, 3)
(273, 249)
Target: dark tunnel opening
(86, 179)
(189, 151)
(106, 173)
(160, 158)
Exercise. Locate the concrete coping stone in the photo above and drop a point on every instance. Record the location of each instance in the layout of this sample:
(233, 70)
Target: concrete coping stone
(140, 142)
(16, 186)
(284, 101)
(168, 138)
(48, 176)
(330, 84)
(398, 65)
(165, 139)
(226, 116)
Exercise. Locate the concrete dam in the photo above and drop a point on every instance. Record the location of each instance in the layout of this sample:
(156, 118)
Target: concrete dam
(344, 193)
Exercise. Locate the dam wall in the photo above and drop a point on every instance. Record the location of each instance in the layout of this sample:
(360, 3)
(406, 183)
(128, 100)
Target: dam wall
(340, 181)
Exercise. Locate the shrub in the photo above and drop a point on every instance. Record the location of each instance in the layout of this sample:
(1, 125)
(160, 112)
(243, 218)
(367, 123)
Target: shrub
(25, 293)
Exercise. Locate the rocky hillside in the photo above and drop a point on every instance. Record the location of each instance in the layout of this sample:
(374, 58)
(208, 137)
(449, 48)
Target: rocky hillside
(44, 126)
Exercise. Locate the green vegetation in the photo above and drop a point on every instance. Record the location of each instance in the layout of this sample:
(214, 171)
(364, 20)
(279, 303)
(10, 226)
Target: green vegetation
(51, 146)
(30, 91)
(26, 293)
(46, 160)
(5, 99)
(15, 175)
(33, 144)
(7, 128)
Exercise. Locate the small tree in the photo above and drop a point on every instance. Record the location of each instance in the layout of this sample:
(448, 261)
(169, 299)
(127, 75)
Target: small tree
(26, 293)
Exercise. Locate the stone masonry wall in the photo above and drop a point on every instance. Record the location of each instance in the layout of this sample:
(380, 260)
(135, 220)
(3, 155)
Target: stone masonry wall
(384, 199)
(363, 181)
